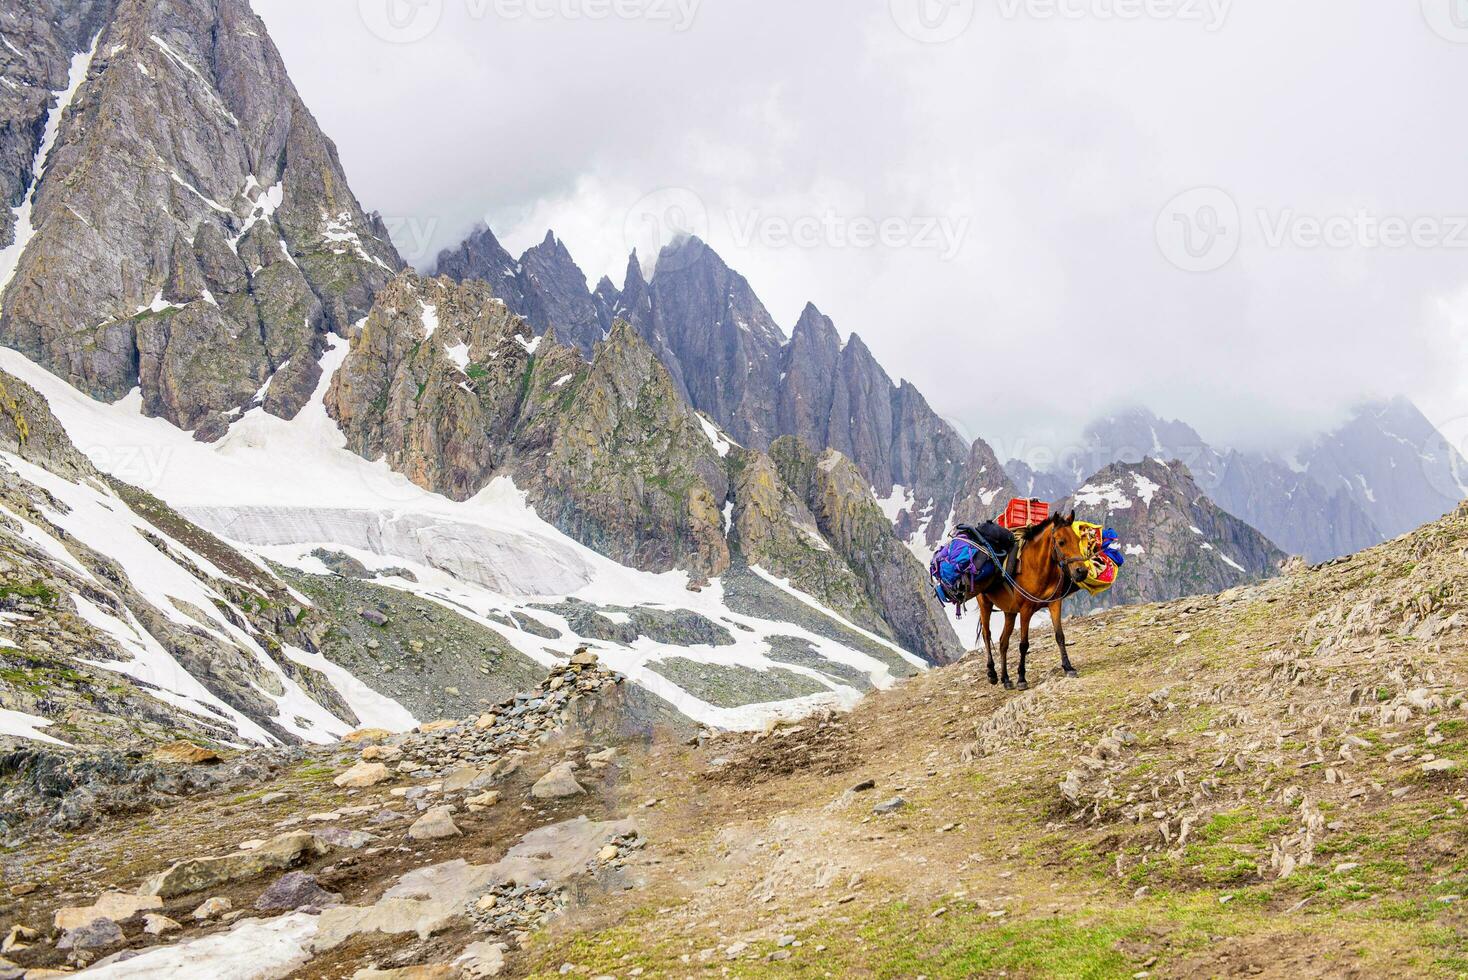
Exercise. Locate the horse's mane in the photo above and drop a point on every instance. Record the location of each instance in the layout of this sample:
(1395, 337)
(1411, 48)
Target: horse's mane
(1035, 530)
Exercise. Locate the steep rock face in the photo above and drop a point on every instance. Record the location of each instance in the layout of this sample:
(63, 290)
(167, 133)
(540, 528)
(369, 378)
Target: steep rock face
(434, 382)
(1177, 541)
(773, 528)
(545, 286)
(194, 233)
(630, 470)
(1393, 464)
(847, 516)
(44, 35)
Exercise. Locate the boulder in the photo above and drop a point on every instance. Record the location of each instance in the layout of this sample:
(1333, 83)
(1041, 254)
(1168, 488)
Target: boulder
(437, 726)
(351, 840)
(481, 961)
(466, 778)
(97, 934)
(558, 784)
(436, 824)
(186, 753)
(295, 890)
(118, 906)
(198, 874)
(363, 775)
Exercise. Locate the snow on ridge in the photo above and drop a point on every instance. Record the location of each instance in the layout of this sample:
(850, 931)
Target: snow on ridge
(1110, 494)
(234, 487)
(81, 65)
(715, 437)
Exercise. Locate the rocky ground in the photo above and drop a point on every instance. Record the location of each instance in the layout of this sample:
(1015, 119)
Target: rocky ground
(1266, 782)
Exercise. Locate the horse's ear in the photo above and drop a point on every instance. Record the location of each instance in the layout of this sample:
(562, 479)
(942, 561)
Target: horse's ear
(1072, 518)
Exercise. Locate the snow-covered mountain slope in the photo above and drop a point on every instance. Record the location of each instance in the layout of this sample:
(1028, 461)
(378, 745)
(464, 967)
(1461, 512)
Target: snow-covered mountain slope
(744, 649)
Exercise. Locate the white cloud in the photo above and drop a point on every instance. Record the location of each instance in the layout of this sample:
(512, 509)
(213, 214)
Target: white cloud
(1056, 140)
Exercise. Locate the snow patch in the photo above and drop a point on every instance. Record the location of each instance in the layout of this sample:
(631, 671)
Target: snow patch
(715, 437)
(18, 724)
(81, 64)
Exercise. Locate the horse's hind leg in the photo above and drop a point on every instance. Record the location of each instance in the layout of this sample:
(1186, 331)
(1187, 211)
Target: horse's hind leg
(1056, 612)
(1004, 650)
(986, 609)
(1024, 646)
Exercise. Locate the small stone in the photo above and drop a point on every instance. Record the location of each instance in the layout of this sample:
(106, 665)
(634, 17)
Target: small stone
(23, 889)
(608, 853)
(373, 616)
(212, 909)
(436, 824)
(1439, 765)
(1342, 869)
(366, 735)
(363, 775)
(17, 939)
(483, 800)
(382, 753)
(437, 726)
(270, 799)
(159, 925)
(889, 806)
(557, 784)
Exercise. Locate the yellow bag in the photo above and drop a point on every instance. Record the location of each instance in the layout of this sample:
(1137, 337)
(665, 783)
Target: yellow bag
(1103, 569)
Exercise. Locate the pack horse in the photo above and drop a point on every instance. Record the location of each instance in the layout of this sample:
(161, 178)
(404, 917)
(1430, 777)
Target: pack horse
(1027, 561)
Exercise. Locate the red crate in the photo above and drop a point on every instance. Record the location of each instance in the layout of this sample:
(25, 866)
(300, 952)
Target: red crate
(1023, 513)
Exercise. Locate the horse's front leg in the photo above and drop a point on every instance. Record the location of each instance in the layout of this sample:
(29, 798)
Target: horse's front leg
(1004, 650)
(986, 609)
(1057, 610)
(1024, 646)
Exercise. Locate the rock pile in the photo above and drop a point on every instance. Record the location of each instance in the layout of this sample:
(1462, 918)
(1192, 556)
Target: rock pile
(514, 726)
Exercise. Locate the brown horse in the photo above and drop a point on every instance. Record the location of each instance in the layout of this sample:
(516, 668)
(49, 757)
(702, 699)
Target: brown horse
(1052, 563)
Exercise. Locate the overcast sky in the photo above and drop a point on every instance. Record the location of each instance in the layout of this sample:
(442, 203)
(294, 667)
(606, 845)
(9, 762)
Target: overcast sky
(988, 191)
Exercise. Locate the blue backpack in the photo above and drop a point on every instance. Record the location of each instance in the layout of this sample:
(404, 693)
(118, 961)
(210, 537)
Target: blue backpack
(960, 569)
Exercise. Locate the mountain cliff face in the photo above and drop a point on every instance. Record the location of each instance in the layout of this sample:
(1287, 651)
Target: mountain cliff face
(452, 390)
(1177, 541)
(732, 362)
(192, 232)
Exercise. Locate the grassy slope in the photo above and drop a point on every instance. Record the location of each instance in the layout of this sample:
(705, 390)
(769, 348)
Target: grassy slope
(1269, 726)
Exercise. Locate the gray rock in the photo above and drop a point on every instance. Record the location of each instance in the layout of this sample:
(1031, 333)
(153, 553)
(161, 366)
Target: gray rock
(436, 824)
(293, 891)
(97, 934)
(558, 784)
(889, 806)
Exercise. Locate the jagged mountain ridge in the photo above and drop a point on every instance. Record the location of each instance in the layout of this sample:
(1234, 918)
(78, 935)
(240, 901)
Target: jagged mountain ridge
(194, 233)
(454, 391)
(734, 363)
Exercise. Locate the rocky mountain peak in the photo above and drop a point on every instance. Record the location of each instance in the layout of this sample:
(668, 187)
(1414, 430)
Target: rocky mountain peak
(193, 233)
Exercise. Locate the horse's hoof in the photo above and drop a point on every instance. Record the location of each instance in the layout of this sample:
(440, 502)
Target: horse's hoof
(993, 677)
(1072, 673)
(1008, 685)
(1024, 685)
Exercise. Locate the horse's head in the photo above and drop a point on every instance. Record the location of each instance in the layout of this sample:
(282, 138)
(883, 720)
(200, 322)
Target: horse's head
(1070, 551)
